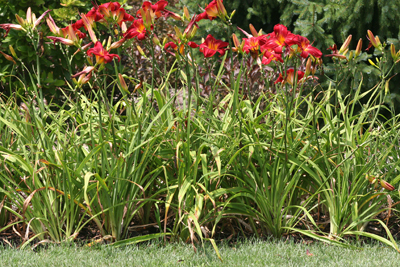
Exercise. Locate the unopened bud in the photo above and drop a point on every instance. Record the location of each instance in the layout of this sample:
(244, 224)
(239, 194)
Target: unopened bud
(20, 20)
(345, 44)
(156, 41)
(308, 67)
(12, 51)
(117, 44)
(370, 178)
(186, 15)
(221, 9)
(374, 40)
(236, 40)
(109, 42)
(387, 186)
(192, 33)
(233, 13)
(358, 48)
(351, 55)
(141, 51)
(178, 32)
(9, 58)
(122, 83)
(124, 29)
(253, 30)
(393, 51)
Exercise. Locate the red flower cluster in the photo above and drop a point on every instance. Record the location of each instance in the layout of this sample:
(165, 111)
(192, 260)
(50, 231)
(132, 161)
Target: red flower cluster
(214, 9)
(272, 45)
(108, 12)
(145, 16)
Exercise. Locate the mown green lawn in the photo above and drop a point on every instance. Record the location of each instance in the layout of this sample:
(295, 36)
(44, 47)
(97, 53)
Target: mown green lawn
(256, 253)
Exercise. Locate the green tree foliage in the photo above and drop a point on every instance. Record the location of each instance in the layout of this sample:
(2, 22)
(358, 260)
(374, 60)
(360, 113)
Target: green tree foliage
(333, 21)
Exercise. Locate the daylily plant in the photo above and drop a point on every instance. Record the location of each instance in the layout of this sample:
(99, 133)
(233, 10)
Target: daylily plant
(30, 23)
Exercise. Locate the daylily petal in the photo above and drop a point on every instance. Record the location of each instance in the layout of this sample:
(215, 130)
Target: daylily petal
(40, 18)
(61, 40)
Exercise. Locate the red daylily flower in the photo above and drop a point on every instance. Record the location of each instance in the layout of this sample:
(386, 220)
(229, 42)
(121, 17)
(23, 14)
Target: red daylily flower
(204, 16)
(252, 45)
(290, 76)
(279, 38)
(213, 10)
(65, 32)
(114, 12)
(269, 56)
(158, 8)
(93, 16)
(211, 46)
(107, 7)
(137, 29)
(71, 36)
(304, 46)
(178, 47)
(101, 54)
(174, 47)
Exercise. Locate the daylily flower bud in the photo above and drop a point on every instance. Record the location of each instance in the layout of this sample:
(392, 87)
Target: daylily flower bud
(9, 58)
(387, 87)
(351, 55)
(374, 40)
(377, 39)
(186, 15)
(12, 51)
(123, 27)
(370, 178)
(20, 20)
(117, 44)
(233, 13)
(178, 32)
(141, 51)
(147, 16)
(221, 9)
(156, 41)
(83, 79)
(395, 55)
(387, 186)
(238, 46)
(122, 83)
(192, 33)
(345, 44)
(109, 42)
(236, 40)
(358, 49)
(61, 40)
(89, 28)
(52, 26)
(29, 15)
(86, 70)
(253, 30)
(308, 67)
(393, 51)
